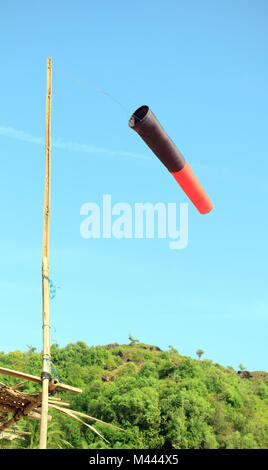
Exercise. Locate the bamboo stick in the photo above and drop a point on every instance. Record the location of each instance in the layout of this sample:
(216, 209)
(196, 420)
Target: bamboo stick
(83, 415)
(9, 435)
(36, 414)
(33, 378)
(57, 399)
(16, 431)
(71, 415)
(21, 384)
(20, 375)
(45, 270)
(62, 403)
(11, 421)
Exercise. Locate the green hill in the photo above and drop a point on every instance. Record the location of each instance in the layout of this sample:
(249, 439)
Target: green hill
(163, 400)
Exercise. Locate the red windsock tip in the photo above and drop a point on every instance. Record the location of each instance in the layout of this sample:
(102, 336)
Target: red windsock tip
(191, 186)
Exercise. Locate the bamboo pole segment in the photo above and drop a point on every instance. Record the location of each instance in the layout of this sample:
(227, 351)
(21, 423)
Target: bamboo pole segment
(20, 375)
(36, 414)
(16, 431)
(21, 384)
(57, 399)
(45, 269)
(33, 378)
(61, 403)
(9, 435)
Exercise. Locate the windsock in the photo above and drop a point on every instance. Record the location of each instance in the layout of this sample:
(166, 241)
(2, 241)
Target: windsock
(144, 122)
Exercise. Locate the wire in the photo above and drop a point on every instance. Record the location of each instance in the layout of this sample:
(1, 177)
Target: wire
(98, 90)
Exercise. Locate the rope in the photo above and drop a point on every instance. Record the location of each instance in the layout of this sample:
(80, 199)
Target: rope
(52, 368)
(52, 288)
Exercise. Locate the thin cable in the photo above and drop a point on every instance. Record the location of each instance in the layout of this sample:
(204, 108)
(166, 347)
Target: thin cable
(98, 90)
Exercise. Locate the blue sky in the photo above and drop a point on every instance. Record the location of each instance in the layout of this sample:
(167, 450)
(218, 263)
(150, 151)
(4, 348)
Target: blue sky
(202, 68)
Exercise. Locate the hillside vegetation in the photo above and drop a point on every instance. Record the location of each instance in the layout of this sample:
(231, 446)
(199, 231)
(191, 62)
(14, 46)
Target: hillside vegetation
(163, 400)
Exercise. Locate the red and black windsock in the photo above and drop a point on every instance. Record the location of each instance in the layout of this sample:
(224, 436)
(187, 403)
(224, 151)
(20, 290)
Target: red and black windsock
(144, 122)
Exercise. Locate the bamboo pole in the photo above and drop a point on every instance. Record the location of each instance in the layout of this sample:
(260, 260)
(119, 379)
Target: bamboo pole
(45, 270)
(33, 378)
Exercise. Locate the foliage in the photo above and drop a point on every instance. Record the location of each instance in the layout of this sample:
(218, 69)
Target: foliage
(161, 399)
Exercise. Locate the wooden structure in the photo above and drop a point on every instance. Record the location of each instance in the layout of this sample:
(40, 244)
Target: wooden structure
(15, 405)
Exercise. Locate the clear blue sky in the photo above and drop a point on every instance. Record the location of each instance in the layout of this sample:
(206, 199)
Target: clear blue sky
(202, 67)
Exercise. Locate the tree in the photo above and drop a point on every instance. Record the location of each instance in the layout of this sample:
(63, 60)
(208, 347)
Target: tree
(31, 349)
(199, 352)
(173, 349)
(242, 367)
(133, 340)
